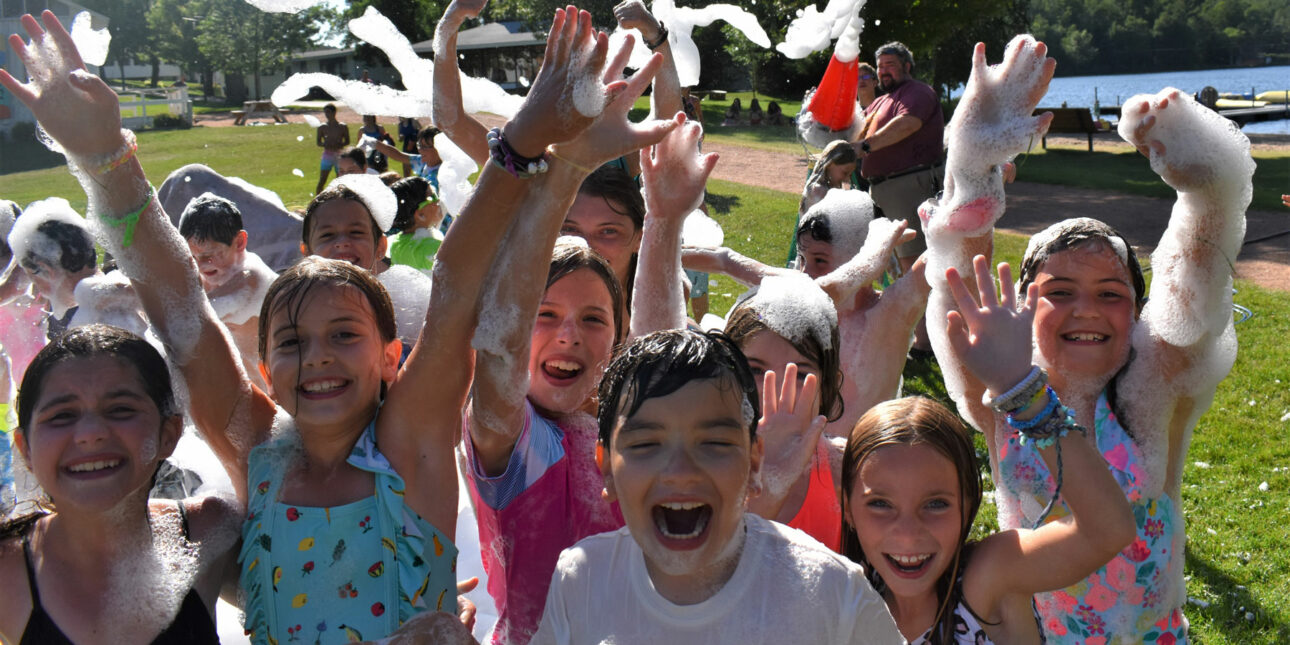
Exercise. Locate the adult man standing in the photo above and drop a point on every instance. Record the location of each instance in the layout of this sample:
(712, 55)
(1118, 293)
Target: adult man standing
(901, 143)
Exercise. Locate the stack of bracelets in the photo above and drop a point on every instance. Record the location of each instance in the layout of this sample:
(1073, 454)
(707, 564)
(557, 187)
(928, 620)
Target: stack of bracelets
(1045, 428)
(507, 159)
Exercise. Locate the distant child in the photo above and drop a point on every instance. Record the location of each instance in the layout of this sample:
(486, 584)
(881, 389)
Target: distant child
(22, 320)
(332, 136)
(417, 223)
(52, 243)
(235, 279)
(371, 129)
(679, 451)
(425, 161)
(408, 129)
(352, 161)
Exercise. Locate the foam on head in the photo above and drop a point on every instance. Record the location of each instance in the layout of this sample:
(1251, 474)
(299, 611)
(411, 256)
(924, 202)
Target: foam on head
(375, 195)
(90, 42)
(795, 307)
(847, 213)
(26, 240)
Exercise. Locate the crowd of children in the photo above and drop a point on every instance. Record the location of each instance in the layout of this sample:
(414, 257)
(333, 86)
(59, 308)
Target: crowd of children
(632, 479)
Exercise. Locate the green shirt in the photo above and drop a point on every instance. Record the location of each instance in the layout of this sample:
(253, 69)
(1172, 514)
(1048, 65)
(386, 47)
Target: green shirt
(416, 251)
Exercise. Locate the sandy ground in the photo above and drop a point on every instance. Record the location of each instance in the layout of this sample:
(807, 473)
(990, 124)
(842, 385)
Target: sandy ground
(1031, 207)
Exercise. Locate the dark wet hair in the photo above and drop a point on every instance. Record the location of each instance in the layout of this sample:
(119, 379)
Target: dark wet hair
(291, 290)
(88, 342)
(389, 177)
(1072, 233)
(568, 258)
(75, 247)
(663, 362)
(355, 155)
(410, 191)
(745, 322)
(210, 217)
(897, 49)
(817, 225)
(428, 133)
(912, 421)
(333, 193)
(619, 190)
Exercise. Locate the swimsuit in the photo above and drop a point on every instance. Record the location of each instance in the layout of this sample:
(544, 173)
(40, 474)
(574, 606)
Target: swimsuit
(193, 625)
(821, 514)
(329, 158)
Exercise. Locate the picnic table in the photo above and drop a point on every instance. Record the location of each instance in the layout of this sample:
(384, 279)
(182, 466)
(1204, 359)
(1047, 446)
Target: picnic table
(252, 109)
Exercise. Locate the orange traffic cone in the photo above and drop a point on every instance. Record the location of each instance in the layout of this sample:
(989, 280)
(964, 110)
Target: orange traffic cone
(834, 103)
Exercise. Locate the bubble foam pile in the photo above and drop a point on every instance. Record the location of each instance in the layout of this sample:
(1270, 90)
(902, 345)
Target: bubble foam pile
(795, 307)
(847, 213)
(90, 42)
(454, 174)
(379, 199)
(812, 30)
(702, 231)
(680, 23)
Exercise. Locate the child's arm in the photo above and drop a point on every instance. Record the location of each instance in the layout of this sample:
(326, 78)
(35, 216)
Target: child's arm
(318, 136)
(746, 270)
(388, 150)
(449, 112)
(81, 113)
(869, 262)
(665, 99)
(993, 341)
(516, 285)
(674, 174)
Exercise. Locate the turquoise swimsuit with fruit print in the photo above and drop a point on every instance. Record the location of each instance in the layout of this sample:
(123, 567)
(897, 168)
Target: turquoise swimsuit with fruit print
(339, 574)
(1128, 599)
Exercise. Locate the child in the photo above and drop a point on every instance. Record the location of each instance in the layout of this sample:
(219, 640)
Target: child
(374, 131)
(1138, 372)
(425, 161)
(911, 489)
(679, 452)
(408, 129)
(328, 354)
(96, 417)
(235, 279)
(53, 245)
(417, 223)
(22, 320)
(352, 161)
(332, 137)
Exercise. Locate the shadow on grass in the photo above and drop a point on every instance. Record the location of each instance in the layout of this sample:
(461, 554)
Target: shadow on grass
(720, 204)
(1233, 600)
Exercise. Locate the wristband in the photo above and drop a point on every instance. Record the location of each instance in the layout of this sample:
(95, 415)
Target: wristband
(662, 37)
(1017, 398)
(507, 159)
(103, 164)
(130, 220)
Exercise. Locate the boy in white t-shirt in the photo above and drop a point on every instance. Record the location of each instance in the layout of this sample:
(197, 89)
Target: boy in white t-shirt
(679, 452)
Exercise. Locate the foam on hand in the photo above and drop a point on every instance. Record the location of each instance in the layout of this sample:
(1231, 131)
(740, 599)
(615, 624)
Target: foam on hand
(375, 195)
(812, 30)
(795, 307)
(702, 231)
(454, 174)
(90, 42)
(680, 23)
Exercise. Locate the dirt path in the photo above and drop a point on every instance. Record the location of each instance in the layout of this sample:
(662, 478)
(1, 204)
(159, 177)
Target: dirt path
(1031, 207)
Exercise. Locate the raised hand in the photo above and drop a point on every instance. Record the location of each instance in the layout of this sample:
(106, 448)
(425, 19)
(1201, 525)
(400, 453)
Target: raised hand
(77, 109)
(993, 339)
(992, 123)
(462, 9)
(674, 172)
(789, 429)
(632, 14)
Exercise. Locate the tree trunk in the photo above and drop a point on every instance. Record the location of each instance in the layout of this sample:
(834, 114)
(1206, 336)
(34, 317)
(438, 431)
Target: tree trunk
(156, 70)
(234, 88)
(208, 81)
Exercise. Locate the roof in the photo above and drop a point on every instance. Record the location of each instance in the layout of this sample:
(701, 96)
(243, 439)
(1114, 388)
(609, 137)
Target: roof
(493, 35)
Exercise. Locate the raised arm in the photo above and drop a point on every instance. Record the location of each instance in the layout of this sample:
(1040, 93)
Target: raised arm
(665, 100)
(744, 269)
(868, 264)
(992, 123)
(81, 114)
(449, 112)
(393, 153)
(674, 173)
(993, 341)
(515, 286)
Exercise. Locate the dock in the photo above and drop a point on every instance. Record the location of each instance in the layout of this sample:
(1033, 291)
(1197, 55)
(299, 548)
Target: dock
(1239, 115)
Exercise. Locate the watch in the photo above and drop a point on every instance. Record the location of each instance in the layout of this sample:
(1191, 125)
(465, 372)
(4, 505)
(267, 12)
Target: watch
(864, 145)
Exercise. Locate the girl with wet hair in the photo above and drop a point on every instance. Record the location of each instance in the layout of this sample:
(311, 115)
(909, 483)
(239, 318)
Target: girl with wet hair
(96, 418)
(416, 224)
(1137, 372)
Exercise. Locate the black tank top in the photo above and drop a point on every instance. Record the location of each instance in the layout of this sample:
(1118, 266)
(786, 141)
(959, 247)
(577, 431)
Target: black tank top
(193, 625)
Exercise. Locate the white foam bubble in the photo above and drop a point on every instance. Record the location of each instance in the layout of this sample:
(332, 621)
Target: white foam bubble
(795, 307)
(26, 241)
(90, 42)
(454, 174)
(410, 294)
(379, 199)
(848, 214)
(701, 230)
(283, 6)
(680, 23)
(364, 98)
(297, 172)
(312, 121)
(812, 29)
(111, 300)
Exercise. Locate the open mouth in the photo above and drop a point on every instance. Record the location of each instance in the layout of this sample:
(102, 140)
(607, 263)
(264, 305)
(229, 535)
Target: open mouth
(93, 468)
(909, 565)
(682, 520)
(1084, 337)
(322, 388)
(561, 370)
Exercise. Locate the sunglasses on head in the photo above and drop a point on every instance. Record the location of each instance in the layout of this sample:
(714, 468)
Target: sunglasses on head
(866, 77)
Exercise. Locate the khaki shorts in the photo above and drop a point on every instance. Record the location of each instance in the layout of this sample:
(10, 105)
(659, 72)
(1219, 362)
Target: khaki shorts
(900, 197)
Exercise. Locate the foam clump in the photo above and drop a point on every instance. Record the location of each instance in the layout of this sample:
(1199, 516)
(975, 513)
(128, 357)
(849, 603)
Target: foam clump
(90, 42)
(680, 23)
(812, 30)
(26, 240)
(702, 231)
(795, 307)
(454, 174)
(364, 98)
(375, 195)
(282, 6)
(109, 299)
(312, 121)
(297, 172)
(847, 213)
(409, 291)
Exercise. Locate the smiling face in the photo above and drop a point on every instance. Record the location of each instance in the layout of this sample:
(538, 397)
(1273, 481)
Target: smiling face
(325, 364)
(817, 256)
(891, 71)
(610, 233)
(95, 436)
(1086, 313)
(681, 469)
(216, 261)
(907, 511)
(571, 343)
(342, 229)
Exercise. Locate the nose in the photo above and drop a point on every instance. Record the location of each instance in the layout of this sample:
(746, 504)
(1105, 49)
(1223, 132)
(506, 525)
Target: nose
(315, 354)
(568, 333)
(90, 430)
(680, 466)
(1086, 306)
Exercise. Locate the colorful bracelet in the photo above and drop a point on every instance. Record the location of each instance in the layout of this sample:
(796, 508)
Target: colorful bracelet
(662, 37)
(1022, 426)
(131, 220)
(1018, 397)
(507, 159)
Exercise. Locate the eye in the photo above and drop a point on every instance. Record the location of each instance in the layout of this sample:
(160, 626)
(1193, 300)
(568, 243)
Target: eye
(937, 504)
(568, 229)
(595, 319)
(878, 504)
(609, 233)
(287, 343)
(60, 417)
(121, 412)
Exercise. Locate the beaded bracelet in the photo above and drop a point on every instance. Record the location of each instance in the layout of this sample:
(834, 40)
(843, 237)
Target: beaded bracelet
(662, 37)
(1018, 397)
(1023, 426)
(130, 220)
(507, 159)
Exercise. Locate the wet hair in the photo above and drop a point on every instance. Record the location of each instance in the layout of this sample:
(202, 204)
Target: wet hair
(913, 421)
(88, 342)
(817, 224)
(334, 192)
(428, 133)
(897, 49)
(389, 177)
(410, 191)
(291, 290)
(355, 155)
(745, 322)
(663, 362)
(568, 258)
(612, 184)
(75, 247)
(1076, 232)
(210, 217)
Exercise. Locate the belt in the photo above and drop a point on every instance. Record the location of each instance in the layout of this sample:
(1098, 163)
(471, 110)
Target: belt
(874, 181)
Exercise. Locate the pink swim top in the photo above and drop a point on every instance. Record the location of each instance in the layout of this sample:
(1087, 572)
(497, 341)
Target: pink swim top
(821, 514)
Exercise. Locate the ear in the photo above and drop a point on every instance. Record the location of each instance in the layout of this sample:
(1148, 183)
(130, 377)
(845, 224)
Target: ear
(755, 453)
(171, 429)
(609, 494)
(239, 241)
(304, 250)
(24, 448)
(382, 244)
(390, 363)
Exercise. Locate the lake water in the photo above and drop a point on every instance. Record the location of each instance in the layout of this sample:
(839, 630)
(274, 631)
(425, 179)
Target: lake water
(1112, 89)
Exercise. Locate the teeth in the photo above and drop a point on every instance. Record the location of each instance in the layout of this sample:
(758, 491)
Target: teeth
(911, 560)
(322, 386)
(92, 466)
(567, 366)
(699, 525)
(1086, 336)
(681, 506)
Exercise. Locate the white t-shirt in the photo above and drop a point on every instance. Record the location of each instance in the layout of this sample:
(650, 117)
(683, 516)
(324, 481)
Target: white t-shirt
(787, 588)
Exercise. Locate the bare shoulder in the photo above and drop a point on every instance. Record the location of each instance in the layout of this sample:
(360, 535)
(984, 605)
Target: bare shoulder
(16, 607)
(213, 518)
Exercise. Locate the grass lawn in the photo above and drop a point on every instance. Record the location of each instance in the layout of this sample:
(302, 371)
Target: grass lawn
(1238, 566)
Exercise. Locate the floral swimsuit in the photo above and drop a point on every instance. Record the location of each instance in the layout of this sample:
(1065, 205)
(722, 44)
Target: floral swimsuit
(1129, 599)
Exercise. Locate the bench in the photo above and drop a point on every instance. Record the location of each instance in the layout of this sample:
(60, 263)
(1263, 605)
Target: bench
(239, 117)
(1069, 121)
(252, 109)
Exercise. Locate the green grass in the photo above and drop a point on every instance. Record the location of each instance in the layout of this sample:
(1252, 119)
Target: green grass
(778, 139)
(1237, 560)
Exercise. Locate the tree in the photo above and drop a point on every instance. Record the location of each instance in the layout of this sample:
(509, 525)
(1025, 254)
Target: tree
(240, 39)
(131, 38)
(175, 26)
